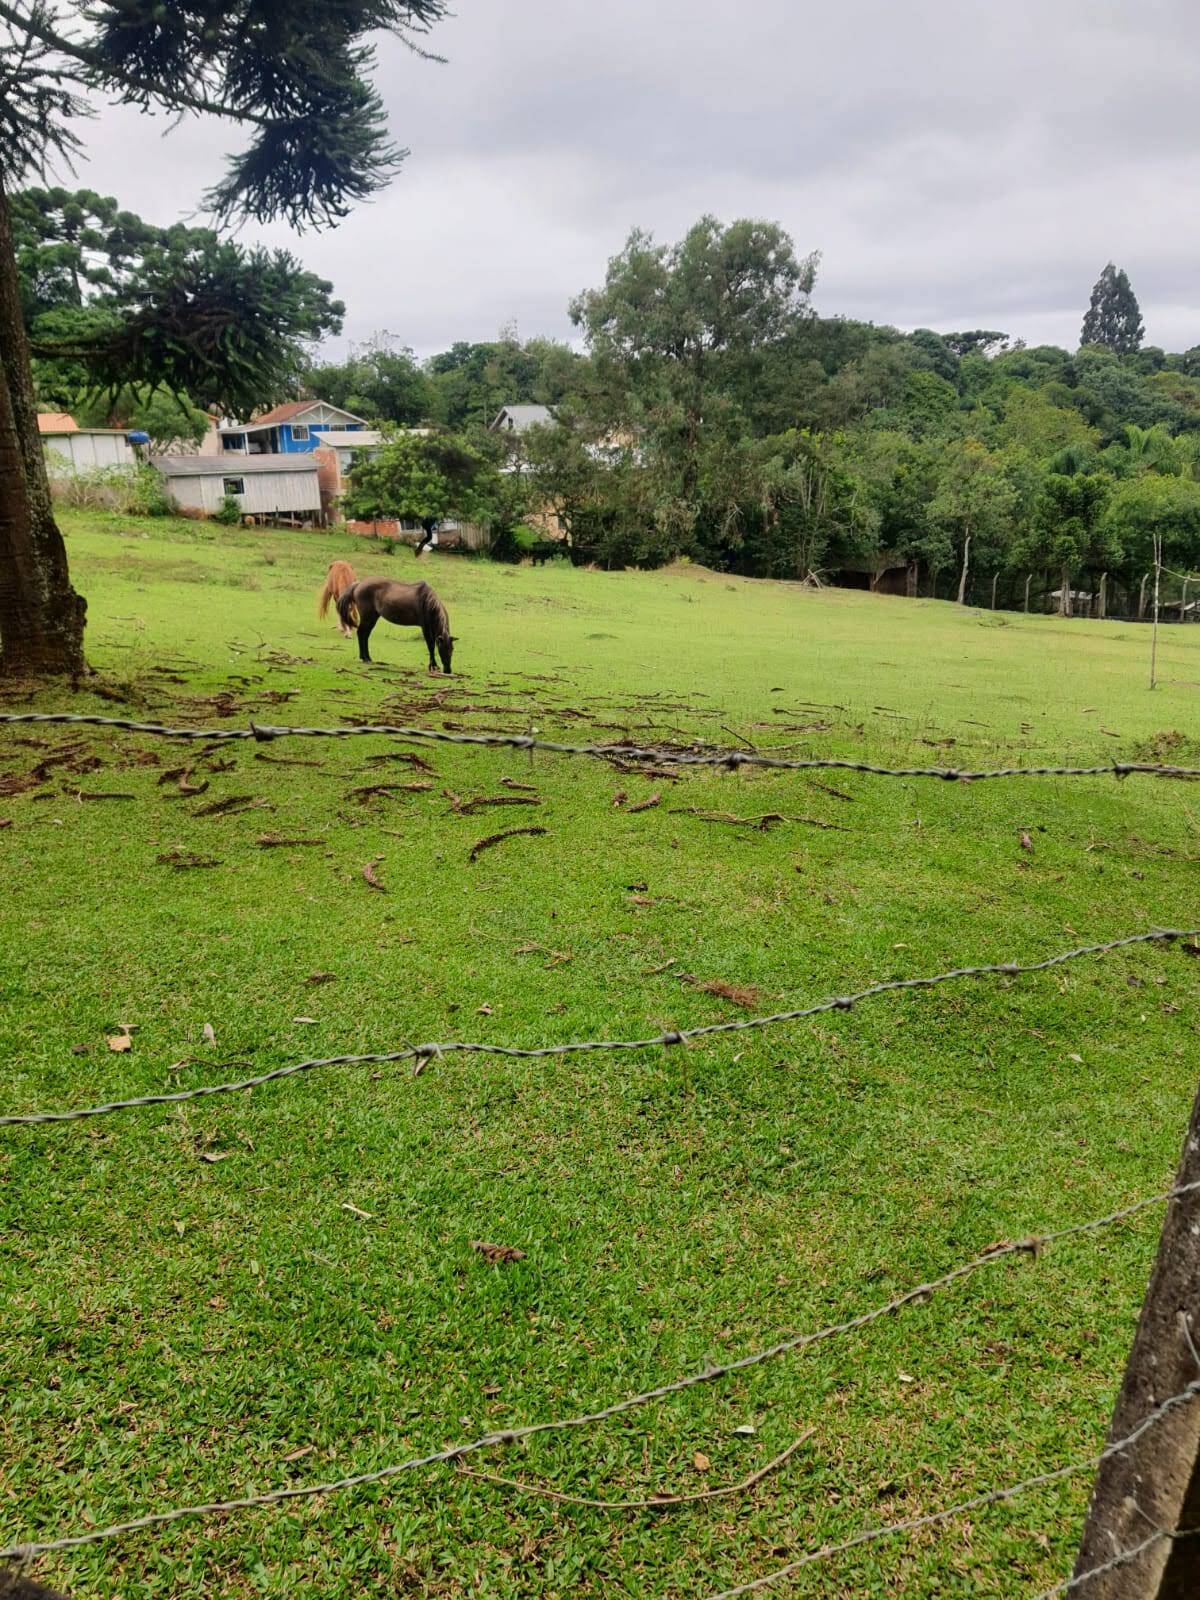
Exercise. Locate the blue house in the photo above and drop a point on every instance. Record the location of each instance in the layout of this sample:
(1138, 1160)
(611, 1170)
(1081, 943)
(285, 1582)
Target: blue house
(296, 428)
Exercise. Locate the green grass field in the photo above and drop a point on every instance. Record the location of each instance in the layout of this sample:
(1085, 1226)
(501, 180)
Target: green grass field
(280, 1287)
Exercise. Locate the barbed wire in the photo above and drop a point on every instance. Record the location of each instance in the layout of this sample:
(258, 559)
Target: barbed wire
(919, 1295)
(672, 1036)
(650, 755)
(993, 1497)
(1123, 1558)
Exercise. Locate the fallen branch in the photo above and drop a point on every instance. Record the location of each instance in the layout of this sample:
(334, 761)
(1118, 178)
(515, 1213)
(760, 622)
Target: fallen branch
(372, 791)
(645, 805)
(272, 841)
(370, 878)
(511, 783)
(658, 1502)
(232, 803)
(467, 808)
(288, 761)
(496, 838)
(764, 822)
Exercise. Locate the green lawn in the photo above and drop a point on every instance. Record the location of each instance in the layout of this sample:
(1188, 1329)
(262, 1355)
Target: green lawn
(179, 1327)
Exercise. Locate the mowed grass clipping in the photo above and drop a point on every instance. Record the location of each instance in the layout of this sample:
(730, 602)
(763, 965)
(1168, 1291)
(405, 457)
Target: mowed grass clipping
(282, 1287)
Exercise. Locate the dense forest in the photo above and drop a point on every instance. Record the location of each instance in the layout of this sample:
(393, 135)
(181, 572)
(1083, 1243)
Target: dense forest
(712, 412)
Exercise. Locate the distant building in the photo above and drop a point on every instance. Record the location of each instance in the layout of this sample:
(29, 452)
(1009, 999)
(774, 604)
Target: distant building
(519, 418)
(298, 428)
(276, 487)
(70, 449)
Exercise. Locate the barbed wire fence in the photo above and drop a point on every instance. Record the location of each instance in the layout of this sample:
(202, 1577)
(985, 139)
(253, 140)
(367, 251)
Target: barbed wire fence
(650, 755)
(1149, 1470)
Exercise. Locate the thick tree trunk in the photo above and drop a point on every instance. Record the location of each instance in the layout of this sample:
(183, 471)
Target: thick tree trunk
(1064, 596)
(962, 577)
(41, 616)
(910, 582)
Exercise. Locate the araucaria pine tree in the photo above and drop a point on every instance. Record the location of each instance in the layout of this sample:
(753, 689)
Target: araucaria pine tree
(297, 77)
(1114, 319)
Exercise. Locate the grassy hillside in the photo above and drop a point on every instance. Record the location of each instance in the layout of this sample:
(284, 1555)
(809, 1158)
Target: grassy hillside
(309, 1304)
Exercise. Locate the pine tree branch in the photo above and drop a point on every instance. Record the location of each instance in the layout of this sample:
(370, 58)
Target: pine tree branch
(180, 99)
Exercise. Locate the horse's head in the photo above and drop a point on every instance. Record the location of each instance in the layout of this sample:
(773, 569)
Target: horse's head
(445, 646)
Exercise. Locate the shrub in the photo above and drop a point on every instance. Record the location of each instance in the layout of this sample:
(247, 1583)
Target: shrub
(136, 491)
(229, 512)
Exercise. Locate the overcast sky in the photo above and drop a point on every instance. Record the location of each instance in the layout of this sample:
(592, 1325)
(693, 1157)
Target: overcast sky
(957, 163)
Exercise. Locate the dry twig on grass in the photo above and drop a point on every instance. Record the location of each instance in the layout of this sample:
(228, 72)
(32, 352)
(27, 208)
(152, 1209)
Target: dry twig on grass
(481, 845)
(658, 1502)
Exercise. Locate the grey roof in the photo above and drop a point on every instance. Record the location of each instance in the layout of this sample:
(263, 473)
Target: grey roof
(230, 464)
(523, 417)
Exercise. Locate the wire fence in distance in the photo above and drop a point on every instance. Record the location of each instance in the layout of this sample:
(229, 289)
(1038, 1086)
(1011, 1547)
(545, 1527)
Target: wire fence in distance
(1031, 1247)
(649, 755)
(674, 1036)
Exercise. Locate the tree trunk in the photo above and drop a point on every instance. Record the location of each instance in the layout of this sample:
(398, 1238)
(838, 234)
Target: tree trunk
(1028, 581)
(995, 581)
(962, 577)
(933, 578)
(1102, 599)
(1064, 594)
(1141, 612)
(41, 616)
(910, 582)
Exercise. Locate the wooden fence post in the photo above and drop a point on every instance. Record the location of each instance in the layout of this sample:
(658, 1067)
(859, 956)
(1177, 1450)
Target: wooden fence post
(1028, 581)
(1156, 1482)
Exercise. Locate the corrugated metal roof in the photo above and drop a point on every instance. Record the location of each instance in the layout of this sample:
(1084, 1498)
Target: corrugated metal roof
(344, 437)
(230, 465)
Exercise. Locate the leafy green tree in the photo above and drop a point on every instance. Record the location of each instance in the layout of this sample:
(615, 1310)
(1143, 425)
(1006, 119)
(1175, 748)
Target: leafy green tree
(425, 479)
(470, 382)
(1114, 319)
(973, 505)
(677, 334)
(379, 380)
(1069, 533)
(1150, 514)
(298, 77)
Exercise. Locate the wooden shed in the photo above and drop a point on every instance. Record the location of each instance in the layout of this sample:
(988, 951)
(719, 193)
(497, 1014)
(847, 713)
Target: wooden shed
(264, 486)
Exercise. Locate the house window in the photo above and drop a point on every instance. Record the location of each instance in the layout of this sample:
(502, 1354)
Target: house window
(235, 485)
(299, 433)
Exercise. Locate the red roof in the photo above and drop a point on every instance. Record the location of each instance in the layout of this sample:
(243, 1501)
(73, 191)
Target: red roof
(56, 422)
(285, 413)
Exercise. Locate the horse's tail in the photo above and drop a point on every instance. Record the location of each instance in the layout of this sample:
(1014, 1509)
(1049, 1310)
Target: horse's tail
(346, 608)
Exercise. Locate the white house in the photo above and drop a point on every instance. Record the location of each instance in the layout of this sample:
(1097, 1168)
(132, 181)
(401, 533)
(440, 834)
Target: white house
(70, 449)
(517, 419)
(263, 485)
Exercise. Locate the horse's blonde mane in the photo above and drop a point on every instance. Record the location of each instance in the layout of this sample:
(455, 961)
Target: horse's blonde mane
(340, 577)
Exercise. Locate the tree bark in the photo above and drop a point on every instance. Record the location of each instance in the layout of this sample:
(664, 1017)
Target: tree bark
(1102, 598)
(910, 583)
(962, 577)
(1156, 1482)
(1064, 594)
(41, 616)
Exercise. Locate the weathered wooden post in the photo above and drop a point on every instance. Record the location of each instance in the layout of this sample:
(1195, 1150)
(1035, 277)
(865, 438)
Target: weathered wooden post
(1102, 605)
(1156, 1482)
(1028, 581)
(1154, 634)
(995, 581)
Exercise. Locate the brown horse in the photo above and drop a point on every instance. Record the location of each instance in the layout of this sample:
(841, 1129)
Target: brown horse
(340, 577)
(412, 605)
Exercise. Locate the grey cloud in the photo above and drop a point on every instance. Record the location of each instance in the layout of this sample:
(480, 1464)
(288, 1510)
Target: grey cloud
(957, 163)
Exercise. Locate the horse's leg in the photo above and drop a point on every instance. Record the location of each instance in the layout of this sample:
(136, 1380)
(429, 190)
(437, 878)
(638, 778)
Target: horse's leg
(430, 641)
(365, 625)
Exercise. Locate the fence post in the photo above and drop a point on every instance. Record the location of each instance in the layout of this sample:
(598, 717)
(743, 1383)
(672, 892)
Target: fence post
(995, 581)
(1102, 610)
(1154, 634)
(1156, 1482)
(1028, 581)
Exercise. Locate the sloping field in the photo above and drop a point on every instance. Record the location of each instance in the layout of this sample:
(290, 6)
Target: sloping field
(238, 1293)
